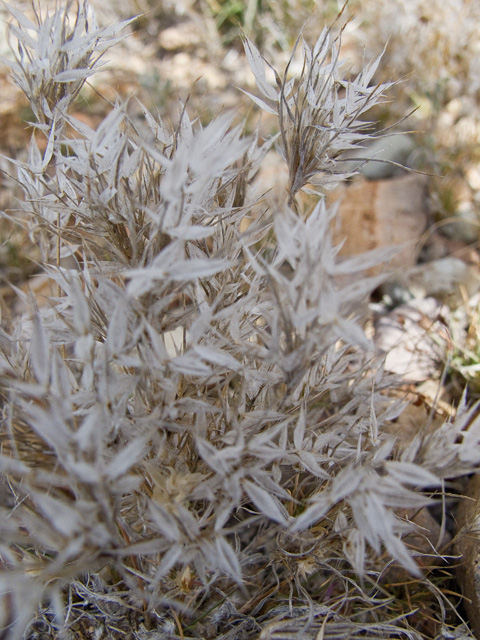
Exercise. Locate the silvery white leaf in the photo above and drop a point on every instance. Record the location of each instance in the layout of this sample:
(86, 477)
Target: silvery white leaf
(311, 463)
(257, 65)
(64, 518)
(21, 18)
(82, 309)
(190, 365)
(409, 473)
(399, 551)
(217, 357)
(351, 332)
(265, 502)
(84, 347)
(127, 458)
(191, 232)
(227, 559)
(312, 514)
(165, 522)
(299, 431)
(23, 37)
(73, 75)
(171, 557)
(40, 352)
(263, 105)
(117, 329)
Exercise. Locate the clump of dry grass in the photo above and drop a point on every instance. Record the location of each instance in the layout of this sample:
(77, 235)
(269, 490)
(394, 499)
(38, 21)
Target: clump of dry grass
(319, 111)
(193, 428)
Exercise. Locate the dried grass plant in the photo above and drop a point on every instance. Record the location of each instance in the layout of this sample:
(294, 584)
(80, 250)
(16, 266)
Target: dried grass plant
(194, 429)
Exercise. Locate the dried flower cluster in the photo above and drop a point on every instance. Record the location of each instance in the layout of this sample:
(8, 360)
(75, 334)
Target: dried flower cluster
(319, 112)
(194, 429)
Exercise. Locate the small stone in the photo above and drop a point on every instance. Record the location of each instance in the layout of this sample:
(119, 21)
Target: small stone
(473, 177)
(382, 213)
(448, 279)
(465, 227)
(414, 340)
(395, 149)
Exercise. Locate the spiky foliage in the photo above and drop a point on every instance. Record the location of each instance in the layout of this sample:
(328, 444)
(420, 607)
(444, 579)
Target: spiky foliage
(56, 54)
(319, 111)
(194, 429)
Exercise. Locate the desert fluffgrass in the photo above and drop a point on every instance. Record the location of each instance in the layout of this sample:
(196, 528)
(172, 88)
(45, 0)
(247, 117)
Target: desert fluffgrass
(194, 436)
